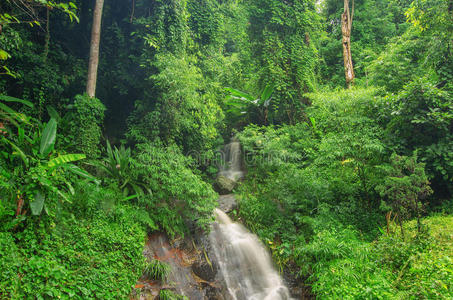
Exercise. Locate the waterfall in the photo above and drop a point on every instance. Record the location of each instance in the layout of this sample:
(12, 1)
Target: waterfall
(232, 167)
(245, 264)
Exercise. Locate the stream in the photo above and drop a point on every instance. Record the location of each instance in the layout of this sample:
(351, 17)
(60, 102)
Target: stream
(230, 263)
(245, 264)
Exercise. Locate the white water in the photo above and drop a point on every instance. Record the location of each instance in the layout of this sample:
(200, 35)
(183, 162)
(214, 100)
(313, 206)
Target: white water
(245, 264)
(232, 169)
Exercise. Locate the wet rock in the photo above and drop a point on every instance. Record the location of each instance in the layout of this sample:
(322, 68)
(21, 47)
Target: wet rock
(227, 203)
(213, 293)
(297, 286)
(225, 184)
(204, 270)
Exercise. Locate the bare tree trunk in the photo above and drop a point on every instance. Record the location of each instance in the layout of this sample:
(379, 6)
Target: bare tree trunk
(346, 26)
(94, 49)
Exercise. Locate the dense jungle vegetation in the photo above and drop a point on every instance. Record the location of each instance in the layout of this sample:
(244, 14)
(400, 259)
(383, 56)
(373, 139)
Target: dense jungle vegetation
(349, 183)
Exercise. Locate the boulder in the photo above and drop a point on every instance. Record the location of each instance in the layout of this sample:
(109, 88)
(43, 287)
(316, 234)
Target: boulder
(225, 184)
(227, 203)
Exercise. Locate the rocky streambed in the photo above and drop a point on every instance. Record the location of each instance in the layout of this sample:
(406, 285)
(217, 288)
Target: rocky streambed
(195, 271)
(230, 263)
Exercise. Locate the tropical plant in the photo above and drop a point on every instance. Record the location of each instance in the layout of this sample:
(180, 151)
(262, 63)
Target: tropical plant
(243, 104)
(9, 115)
(39, 175)
(117, 165)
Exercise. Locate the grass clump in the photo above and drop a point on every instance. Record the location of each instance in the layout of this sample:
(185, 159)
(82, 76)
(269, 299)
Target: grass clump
(170, 295)
(157, 270)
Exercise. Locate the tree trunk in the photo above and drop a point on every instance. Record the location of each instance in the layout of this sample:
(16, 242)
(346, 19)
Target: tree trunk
(94, 49)
(346, 26)
(47, 39)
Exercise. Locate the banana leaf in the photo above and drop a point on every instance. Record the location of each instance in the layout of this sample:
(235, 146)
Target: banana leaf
(267, 93)
(64, 159)
(17, 100)
(240, 94)
(37, 204)
(80, 172)
(17, 151)
(48, 138)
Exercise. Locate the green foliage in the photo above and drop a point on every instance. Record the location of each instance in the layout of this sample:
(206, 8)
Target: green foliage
(39, 177)
(405, 186)
(177, 194)
(117, 166)
(419, 263)
(333, 161)
(281, 44)
(311, 195)
(421, 120)
(316, 179)
(395, 66)
(157, 270)
(184, 113)
(243, 104)
(375, 24)
(13, 13)
(170, 295)
(343, 266)
(87, 119)
(83, 258)
(434, 17)
(9, 115)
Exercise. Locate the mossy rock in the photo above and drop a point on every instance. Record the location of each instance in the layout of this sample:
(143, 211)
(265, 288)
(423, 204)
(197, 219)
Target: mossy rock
(225, 184)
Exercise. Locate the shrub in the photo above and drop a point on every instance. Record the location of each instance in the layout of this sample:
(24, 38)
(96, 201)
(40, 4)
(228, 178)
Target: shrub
(80, 258)
(177, 194)
(87, 119)
(342, 266)
(422, 120)
(405, 186)
(420, 264)
(179, 109)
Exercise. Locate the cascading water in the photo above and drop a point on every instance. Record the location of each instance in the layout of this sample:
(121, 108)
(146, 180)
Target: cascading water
(232, 167)
(245, 264)
(241, 267)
